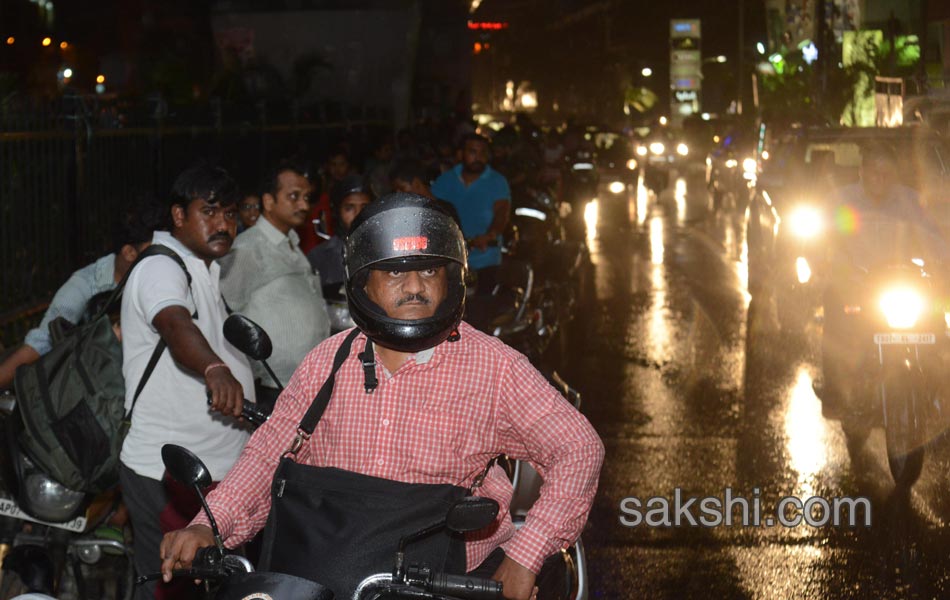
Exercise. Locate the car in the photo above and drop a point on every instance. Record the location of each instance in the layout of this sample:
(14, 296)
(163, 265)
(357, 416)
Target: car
(659, 151)
(789, 217)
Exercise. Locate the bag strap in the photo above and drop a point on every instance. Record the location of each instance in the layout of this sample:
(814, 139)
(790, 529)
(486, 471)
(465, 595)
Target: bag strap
(152, 250)
(319, 404)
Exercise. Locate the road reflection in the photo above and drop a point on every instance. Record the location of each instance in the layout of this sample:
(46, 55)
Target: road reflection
(806, 433)
(591, 217)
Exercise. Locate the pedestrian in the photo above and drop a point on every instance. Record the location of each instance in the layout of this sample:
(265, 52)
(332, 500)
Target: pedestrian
(483, 201)
(420, 404)
(249, 210)
(133, 233)
(337, 167)
(347, 199)
(267, 278)
(159, 305)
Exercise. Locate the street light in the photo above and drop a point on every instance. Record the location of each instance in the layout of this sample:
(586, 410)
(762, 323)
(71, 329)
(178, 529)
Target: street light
(760, 47)
(646, 72)
(47, 41)
(715, 59)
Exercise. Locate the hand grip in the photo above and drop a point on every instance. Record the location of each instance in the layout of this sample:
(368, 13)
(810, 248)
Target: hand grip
(254, 414)
(466, 588)
(251, 411)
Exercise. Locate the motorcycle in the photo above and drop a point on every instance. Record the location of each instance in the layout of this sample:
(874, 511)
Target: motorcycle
(230, 576)
(53, 540)
(904, 326)
(251, 339)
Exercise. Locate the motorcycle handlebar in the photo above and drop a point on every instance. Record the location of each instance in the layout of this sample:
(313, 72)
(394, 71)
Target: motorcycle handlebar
(254, 414)
(251, 412)
(466, 588)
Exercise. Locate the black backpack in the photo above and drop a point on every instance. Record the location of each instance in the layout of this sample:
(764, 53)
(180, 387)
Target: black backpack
(71, 401)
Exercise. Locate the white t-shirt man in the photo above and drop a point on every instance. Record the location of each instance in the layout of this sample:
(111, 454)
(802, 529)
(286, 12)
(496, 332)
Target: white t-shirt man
(173, 406)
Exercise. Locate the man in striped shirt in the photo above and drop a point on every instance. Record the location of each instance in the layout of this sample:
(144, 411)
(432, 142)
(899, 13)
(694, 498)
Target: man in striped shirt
(419, 399)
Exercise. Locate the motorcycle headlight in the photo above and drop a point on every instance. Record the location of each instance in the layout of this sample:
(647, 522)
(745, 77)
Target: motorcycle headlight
(802, 269)
(657, 148)
(616, 187)
(632, 164)
(682, 149)
(806, 222)
(902, 307)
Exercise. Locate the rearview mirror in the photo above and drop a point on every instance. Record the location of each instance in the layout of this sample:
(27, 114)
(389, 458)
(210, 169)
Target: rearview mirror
(185, 467)
(471, 514)
(248, 337)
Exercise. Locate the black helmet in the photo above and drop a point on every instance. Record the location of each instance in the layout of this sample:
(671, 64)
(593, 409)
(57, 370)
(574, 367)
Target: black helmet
(405, 232)
(351, 184)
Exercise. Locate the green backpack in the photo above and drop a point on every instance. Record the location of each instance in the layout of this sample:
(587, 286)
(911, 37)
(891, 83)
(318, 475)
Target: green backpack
(71, 401)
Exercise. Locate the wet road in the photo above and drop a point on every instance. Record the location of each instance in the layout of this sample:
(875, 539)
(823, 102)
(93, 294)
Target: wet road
(685, 397)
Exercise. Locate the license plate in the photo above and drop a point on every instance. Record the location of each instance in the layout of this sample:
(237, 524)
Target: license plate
(907, 339)
(9, 508)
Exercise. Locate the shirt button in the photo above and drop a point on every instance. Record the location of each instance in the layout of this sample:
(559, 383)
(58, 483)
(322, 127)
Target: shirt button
(386, 422)
(380, 462)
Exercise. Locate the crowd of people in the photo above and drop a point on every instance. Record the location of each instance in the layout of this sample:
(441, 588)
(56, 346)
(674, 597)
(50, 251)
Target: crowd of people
(449, 398)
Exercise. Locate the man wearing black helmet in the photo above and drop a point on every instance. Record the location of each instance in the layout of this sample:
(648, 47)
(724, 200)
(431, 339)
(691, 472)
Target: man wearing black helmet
(385, 425)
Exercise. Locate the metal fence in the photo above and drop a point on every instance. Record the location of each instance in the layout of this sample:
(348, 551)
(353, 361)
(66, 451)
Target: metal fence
(66, 167)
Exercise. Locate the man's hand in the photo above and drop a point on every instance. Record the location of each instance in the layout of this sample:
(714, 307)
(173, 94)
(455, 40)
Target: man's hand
(178, 548)
(481, 241)
(227, 395)
(518, 581)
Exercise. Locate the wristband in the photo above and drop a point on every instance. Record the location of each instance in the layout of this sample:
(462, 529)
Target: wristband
(215, 366)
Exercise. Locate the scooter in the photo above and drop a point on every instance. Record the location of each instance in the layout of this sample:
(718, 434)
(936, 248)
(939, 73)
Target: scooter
(51, 538)
(232, 577)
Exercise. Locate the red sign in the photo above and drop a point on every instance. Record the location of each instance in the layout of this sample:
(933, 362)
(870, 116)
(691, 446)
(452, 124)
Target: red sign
(487, 25)
(405, 244)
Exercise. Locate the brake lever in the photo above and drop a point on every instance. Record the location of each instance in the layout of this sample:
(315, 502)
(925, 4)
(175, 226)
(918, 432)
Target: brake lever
(190, 573)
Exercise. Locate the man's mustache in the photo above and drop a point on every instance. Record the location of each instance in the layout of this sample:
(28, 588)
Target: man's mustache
(412, 298)
(220, 236)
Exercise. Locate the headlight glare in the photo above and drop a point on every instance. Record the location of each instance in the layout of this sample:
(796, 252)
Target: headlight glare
(806, 222)
(657, 148)
(632, 164)
(641, 150)
(902, 307)
(616, 187)
(682, 149)
(802, 269)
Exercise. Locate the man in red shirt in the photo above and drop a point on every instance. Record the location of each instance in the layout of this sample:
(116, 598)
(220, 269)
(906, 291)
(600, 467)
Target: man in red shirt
(420, 404)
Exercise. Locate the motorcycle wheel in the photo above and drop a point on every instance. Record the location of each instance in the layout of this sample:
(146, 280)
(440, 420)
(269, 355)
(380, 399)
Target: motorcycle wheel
(903, 430)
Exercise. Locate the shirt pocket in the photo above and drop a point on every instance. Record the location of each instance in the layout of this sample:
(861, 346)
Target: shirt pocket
(448, 427)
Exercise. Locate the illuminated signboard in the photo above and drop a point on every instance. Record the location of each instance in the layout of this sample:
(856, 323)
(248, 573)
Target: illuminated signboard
(685, 68)
(487, 25)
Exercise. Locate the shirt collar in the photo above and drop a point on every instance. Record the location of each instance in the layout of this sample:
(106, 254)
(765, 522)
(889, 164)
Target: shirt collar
(274, 235)
(458, 172)
(165, 238)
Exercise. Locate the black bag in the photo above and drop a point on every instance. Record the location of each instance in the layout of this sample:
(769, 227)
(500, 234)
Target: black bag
(72, 400)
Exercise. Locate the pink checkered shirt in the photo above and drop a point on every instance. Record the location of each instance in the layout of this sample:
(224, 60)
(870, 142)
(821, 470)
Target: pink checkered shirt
(437, 421)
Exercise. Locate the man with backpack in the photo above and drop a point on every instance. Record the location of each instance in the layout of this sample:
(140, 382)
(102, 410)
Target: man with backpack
(174, 300)
(133, 233)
